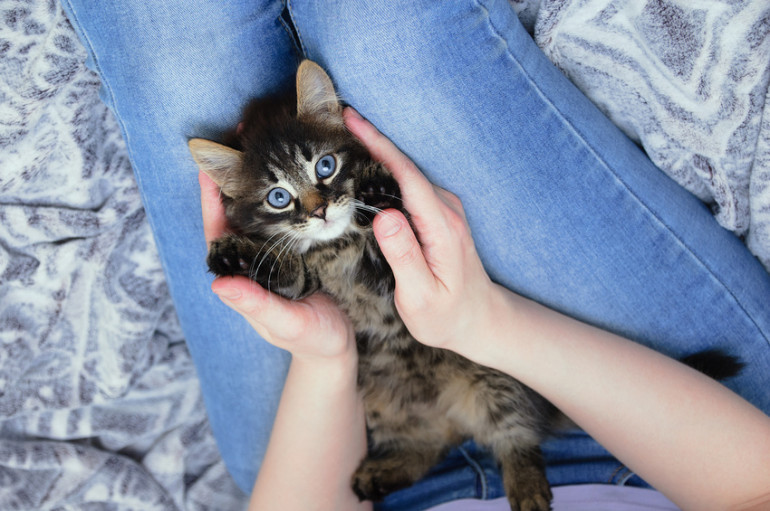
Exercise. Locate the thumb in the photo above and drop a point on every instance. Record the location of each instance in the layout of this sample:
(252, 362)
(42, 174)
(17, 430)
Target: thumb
(242, 295)
(401, 249)
(266, 312)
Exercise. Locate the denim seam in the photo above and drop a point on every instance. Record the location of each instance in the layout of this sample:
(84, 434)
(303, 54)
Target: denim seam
(649, 210)
(626, 477)
(482, 476)
(620, 476)
(300, 39)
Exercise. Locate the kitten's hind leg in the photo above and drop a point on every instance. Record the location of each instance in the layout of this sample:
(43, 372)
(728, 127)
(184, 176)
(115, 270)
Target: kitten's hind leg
(523, 471)
(394, 467)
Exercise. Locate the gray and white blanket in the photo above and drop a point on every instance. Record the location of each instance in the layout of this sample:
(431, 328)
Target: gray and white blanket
(99, 404)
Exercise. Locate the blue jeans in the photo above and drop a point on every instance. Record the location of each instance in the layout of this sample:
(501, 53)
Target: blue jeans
(563, 207)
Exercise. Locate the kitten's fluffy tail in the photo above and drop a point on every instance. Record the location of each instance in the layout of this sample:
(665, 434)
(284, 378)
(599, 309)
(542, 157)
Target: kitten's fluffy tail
(714, 363)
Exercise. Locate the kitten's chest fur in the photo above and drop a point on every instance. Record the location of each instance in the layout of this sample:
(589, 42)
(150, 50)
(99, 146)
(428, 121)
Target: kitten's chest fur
(354, 273)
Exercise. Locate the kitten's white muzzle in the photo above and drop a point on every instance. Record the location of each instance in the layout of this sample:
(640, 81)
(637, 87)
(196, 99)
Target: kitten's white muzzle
(338, 220)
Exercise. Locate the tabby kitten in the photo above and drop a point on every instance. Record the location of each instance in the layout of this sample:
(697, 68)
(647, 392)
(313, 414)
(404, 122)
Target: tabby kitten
(299, 193)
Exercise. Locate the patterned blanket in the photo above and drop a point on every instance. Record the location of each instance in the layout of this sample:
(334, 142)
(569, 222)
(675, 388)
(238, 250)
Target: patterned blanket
(99, 404)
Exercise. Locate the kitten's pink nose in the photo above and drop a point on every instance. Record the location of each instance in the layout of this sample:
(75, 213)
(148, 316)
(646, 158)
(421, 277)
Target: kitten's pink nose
(319, 212)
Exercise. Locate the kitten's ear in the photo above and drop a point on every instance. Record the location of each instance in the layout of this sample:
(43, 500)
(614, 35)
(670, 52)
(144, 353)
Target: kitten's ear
(316, 96)
(220, 163)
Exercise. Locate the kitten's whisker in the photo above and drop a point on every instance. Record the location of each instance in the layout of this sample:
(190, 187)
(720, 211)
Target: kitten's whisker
(283, 249)
(268, 240)
(358, 204)
(277, 256)
(288, 248)
(253, 271)
(268, 251)
(366, 207)
(392, 196)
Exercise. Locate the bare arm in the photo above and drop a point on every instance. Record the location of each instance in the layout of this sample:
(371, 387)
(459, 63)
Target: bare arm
(319, 435)
(690, 437)
(317, 441)
(693, 439)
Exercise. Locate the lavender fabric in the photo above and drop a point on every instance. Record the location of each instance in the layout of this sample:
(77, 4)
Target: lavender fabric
(586, 497)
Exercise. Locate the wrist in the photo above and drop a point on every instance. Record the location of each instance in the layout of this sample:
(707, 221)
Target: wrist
(334, 347)
(339, 369)
(500, 329)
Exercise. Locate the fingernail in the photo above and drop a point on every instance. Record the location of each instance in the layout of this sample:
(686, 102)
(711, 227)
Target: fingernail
(228, 293)
(352, 112)
(390, 227)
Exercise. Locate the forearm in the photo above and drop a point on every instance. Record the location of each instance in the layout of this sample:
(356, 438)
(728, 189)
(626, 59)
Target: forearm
(666, 421)
(317, 442)
(696, 441)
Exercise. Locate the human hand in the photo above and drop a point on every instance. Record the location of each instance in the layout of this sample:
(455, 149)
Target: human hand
(443, 293)
(312, 328)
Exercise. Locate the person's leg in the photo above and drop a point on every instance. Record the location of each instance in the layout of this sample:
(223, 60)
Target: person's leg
(563, 207)
(170, 71)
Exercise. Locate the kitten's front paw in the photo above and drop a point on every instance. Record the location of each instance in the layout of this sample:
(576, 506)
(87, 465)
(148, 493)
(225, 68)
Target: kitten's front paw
(226, 258)
(381, 192)
(376, 478)
(377, 193)
(231, 255)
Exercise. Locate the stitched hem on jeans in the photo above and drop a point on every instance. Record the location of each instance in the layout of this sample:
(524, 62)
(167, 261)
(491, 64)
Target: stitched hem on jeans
(481, 476)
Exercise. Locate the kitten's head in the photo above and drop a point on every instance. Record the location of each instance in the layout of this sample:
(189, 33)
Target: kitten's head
(293, 170)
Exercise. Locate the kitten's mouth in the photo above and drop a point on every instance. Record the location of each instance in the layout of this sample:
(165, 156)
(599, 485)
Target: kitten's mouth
(336, 222)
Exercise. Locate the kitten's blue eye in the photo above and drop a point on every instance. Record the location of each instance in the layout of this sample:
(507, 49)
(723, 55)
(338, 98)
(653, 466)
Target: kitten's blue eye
(278, 198)
(325, 166)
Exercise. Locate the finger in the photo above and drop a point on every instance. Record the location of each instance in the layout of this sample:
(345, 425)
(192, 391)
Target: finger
(268, 313)
(416, 190)
(402, 251)
(214, 222)
(451, 200)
